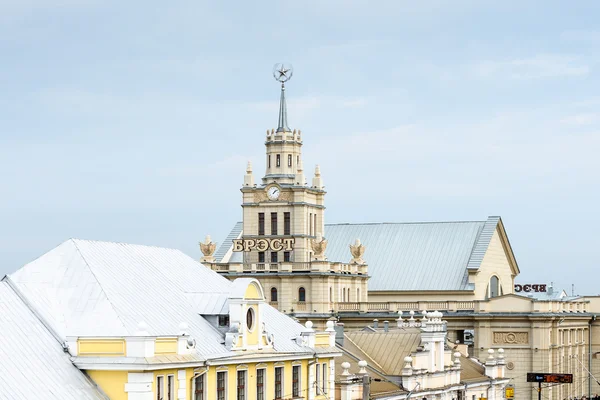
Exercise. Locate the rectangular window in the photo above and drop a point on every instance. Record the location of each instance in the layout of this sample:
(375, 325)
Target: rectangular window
(223, 320)
(260, 384)
(314, 224)
(296, 381)
(261, 223)
(289, 160)
(287, 223)
(269, 161)
(241, 385)
(278, 382)
(160, 388)
(273, 223)
(286, 256)
(278, 163)
(274, 257)
(325, 380)
(171, 387)
(221, 384)
(310, 227)
(199, 388)
(261, 256)
(318, 378)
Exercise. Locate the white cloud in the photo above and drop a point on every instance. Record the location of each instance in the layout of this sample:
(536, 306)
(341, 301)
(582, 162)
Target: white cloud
(537, 67)
(581, 36)
(581, 119)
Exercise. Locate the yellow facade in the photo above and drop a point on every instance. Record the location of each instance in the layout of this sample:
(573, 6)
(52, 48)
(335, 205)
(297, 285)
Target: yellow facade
(113, 382)
(165, 346)
(101, 347)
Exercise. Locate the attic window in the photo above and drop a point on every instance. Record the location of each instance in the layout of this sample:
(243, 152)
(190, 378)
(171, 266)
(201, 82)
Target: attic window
(223, 320)
(250, 319)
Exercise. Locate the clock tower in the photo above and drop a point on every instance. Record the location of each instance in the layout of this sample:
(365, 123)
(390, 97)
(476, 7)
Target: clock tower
(282, 241)
(283, 205)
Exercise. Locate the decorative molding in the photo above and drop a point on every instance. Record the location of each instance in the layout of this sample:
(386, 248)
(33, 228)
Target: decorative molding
(510, 365)
(511, 337)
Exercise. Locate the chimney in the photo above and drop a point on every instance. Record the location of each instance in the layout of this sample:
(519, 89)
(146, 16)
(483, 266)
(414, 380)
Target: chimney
(339, 334)
(386, 326)
(375, 323)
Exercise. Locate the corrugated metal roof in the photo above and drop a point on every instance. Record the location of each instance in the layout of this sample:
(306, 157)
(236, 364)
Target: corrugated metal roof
(385, 349)
(483, 242)
(409, 256)
(223, 250)
(34, 363)
(91, 288)
(405, 256)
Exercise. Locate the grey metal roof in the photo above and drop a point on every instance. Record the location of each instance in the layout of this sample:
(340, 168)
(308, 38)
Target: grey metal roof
(34, 364)
(483, 242)
(406, 256)
(91, 288)
(409, 256)
(224, 248)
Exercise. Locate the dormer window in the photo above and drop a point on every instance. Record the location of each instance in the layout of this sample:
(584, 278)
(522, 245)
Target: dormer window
(223, 320)
(250, 319)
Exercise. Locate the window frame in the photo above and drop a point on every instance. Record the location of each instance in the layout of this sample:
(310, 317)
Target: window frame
(279, 384)
(260, 383)
(287, 256)
(160, 387)
(244, 394)
(287, 223)
(278, 160)
(224, 388)
(274, 291)
(325, 367)
(199, 393)
(261, 224)
(301, 294)
(274, 224)
(274, 257)
(296, 375)
(170, 387)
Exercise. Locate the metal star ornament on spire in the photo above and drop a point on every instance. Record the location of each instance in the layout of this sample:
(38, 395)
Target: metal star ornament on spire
(283, 72)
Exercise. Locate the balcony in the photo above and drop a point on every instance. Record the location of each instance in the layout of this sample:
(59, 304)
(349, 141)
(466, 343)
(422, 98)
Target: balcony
(297, 267)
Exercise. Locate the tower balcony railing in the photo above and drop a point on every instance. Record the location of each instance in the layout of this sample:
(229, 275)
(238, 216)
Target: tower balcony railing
(313, 266)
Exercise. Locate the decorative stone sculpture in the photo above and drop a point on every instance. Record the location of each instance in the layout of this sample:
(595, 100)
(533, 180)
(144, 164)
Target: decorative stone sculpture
(318, 246)
(208, 249)
(357, 250)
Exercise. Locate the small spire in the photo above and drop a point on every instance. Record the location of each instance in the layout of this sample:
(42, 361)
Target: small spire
(282, 125)
(249, 168)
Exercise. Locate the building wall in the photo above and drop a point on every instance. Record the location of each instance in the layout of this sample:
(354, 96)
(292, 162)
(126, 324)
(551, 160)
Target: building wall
(495, 262)
(113, 383)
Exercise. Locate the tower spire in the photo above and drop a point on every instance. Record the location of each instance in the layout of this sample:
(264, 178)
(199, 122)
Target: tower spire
(282, 125)
(282, 73)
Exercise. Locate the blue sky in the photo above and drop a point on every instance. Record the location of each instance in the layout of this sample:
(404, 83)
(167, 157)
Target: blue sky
(133, 121)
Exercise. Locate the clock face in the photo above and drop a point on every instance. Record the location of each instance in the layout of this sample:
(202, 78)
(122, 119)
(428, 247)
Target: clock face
(273, 193)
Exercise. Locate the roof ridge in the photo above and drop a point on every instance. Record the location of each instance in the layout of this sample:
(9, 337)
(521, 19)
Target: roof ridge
(404, 223)
(124, 243)
(99, 284)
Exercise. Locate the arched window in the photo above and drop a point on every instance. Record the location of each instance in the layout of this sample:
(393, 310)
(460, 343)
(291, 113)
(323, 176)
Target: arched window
(494, 287)
(301, 294)
(273, 294)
